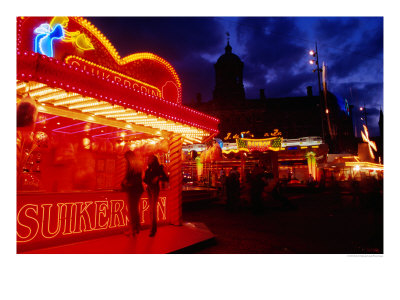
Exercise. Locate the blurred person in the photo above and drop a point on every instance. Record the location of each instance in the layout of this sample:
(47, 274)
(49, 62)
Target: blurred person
(132, 184)
(152, 177)
(322, 180)
(311, 182)
(223, 183)
(256, 188)
(233, 189)
(277, 194)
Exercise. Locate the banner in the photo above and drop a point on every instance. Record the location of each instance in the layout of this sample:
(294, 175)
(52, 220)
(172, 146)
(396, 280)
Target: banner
(249, 145)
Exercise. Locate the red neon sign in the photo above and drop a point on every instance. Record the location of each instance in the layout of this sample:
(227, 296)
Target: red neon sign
(42, 223)
(117, 84)
(98, 70)
(145, 72)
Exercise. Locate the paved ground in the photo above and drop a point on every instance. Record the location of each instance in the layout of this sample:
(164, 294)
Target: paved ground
(319, 223)
(169, 238)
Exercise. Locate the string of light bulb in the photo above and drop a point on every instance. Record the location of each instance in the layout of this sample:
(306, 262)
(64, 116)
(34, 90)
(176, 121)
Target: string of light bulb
(95, 107)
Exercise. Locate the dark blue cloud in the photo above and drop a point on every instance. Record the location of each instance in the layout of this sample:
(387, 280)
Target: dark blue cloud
(274, 51)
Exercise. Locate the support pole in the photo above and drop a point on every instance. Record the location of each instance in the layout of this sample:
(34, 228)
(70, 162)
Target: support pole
(175, 179)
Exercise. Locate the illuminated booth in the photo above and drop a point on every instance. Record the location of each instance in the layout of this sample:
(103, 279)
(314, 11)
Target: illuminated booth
(80, 107)
(289, 160)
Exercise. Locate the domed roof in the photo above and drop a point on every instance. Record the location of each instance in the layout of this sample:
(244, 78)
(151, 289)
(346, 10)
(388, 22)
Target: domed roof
(228, 57)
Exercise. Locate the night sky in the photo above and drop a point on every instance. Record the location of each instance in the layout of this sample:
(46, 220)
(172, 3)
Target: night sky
(274, 51)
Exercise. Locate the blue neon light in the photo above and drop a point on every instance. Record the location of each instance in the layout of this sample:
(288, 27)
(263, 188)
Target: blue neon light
(220, 142)
(291, 148)
(45, 37)
(347, 107)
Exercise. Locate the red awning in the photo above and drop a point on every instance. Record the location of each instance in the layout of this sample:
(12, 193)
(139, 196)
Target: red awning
(32, 66)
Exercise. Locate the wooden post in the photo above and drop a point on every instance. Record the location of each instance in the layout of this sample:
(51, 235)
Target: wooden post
(174, 205)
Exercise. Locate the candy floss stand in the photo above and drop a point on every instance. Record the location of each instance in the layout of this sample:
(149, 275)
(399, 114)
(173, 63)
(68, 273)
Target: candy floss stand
(80, 107)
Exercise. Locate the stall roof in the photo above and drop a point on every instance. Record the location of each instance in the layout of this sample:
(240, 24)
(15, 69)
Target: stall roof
(63, 85)
(75, 106)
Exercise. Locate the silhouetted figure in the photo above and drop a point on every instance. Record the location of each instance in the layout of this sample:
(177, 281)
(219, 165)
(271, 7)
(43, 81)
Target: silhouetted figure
(311, 182)
(132, 184)
(152, 177)
(233, 189)
(276, 193)
(334, 183)
(289, 175)
(322, 181)
(355, 185)
(256, 188)
(247, 176)
(223, 183)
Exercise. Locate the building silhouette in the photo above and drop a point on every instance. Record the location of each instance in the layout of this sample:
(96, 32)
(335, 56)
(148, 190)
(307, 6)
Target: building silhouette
(294, 117)
(380, 139)
(229, 87)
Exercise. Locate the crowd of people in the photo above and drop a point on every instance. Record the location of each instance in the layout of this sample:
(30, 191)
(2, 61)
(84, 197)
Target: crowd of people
(257, 184)
(260, 185)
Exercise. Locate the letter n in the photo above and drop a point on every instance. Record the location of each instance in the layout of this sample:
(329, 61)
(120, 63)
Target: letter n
(161, 209)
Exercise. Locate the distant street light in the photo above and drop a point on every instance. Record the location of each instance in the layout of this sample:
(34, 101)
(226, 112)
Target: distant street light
(319, 70)
(364, 114)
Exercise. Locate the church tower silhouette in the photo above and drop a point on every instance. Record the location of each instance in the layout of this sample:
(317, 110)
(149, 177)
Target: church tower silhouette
(229, 88)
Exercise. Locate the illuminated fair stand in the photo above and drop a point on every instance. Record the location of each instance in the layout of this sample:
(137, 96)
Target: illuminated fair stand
(92, 107)
(303, 156)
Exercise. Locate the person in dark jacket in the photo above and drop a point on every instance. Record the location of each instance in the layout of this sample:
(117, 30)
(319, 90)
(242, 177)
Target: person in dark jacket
(233, 189)
(256, 189)
(277, 194)
(152, 177)
(133, 186)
